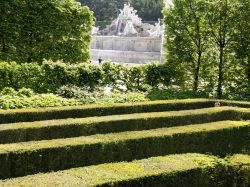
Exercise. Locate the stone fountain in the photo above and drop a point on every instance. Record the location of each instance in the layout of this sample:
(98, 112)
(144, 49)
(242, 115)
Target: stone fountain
(127, 39)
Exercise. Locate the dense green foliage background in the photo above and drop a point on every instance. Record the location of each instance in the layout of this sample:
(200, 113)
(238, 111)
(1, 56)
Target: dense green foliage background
(208, 43)
(107, 10)
(31, 31)
(50, 76)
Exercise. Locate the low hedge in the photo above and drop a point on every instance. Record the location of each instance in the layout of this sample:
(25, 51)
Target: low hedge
(22, 159)
(242, 104)
(173, 170)
(27, 115)
(65, 128)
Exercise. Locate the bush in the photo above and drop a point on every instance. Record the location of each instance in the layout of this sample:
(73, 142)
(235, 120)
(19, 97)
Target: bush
(89, 75)
(25, 92)
(26, 99)
(7, 91)
(50, 76)
(136, 78)
(212, 138)
(8, 75)
(123, 98)
(97, 110)
(114, 73)
(158, 73)
(171, 170)
(68, 128)
(165, 94)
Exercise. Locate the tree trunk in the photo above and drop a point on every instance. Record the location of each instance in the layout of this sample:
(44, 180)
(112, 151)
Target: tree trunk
(4, 45)
(248, 71)
(197, 73)
(220, 74)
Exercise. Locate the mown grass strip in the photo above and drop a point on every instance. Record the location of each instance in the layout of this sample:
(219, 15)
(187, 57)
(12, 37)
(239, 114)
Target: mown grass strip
(27, 115)
(53, 129)
(173, 170)
(219, 138)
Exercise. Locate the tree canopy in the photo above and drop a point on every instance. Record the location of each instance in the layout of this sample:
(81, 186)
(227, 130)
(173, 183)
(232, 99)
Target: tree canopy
(208, 41)
(31, 31)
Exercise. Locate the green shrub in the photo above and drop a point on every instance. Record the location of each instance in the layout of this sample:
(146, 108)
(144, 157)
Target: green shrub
(72, 91)
(123, 98)
(30, 75)
(136, 78)
(172, 170)
(8, 72)
(8, 91)
(55, 75)
(165, 94)
(99, 110)
(89, 75)
(158, 73)
(33, 101)
(45, 130)
(52, 155)
(114, 73)
(25, 92)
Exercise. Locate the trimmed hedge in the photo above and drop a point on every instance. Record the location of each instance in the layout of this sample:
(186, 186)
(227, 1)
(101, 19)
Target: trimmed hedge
(46, 130)
(22, 159)
(242, 104)
(27, 115)
(173, 170)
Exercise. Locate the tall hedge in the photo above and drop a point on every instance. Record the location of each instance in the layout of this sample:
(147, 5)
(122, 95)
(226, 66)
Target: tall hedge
(31, 31)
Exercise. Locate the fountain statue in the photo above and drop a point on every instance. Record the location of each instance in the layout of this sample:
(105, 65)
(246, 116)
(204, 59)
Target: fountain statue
(127, 39)
(128, 24)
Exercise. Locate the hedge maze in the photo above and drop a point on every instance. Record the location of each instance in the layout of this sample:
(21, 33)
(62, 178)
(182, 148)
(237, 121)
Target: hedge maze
(159, 143)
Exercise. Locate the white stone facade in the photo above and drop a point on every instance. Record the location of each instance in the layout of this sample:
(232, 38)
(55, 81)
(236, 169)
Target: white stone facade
(126, 49)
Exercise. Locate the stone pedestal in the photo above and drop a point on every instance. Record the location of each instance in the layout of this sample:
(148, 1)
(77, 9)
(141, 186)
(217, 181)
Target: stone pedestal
(126, 49)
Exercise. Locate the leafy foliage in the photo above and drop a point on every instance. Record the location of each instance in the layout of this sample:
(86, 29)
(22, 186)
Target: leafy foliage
(31, 31)
(208, 42)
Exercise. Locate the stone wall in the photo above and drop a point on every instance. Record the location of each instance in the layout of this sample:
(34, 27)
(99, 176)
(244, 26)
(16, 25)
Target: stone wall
(126, 49)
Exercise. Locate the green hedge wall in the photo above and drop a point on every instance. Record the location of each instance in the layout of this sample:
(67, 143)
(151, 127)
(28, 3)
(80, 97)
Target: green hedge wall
(54, 155)
(25, 115)
(28, 115)
(50, 76)
(172, 170)
(46, 130)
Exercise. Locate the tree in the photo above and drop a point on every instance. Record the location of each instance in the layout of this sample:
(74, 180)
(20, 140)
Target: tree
(50, 29)
(221, 19)
(186, 33)
(242, 36)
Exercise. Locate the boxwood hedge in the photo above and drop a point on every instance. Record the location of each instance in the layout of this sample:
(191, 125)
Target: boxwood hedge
(65, 128)
(24, 115)
(218, 138)
(27, 115)
(172, 170)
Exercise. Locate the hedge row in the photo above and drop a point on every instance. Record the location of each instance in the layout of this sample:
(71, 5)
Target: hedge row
(54, 155)
(51, 76)
(243, 104)
(46, 130)
(173, 170)
(26, 115)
